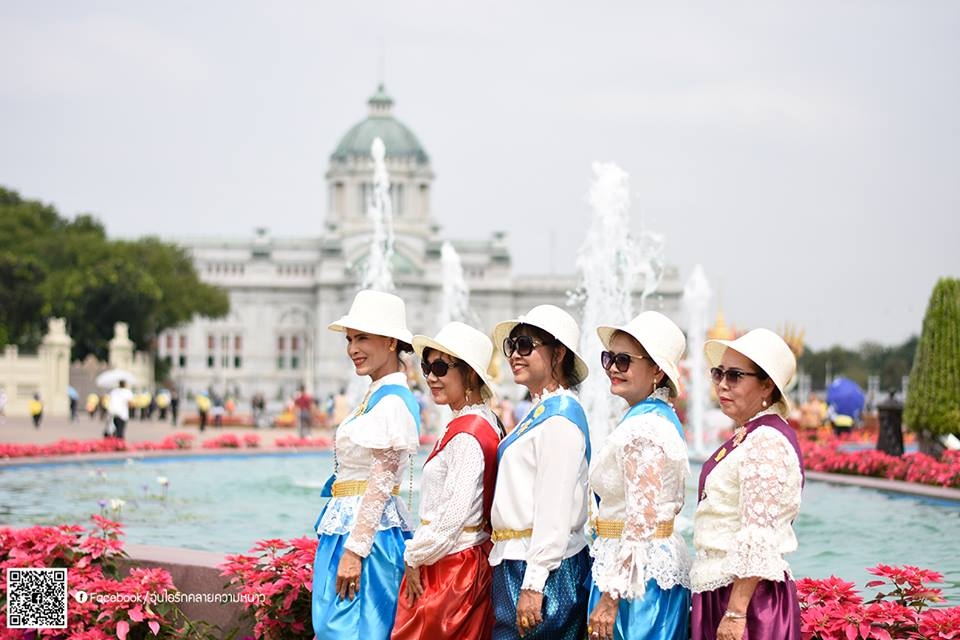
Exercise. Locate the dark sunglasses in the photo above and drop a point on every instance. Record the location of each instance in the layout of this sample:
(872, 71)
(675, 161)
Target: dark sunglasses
(524, 345)
(732, 376)
(438, 367)
(621, 360)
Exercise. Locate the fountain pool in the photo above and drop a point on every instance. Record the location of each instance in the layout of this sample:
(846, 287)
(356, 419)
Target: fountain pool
(227, 503)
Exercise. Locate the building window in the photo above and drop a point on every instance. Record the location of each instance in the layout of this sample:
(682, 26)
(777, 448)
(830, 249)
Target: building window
(183, 342)
(183, 361)
(280, 343)
(294, 343)
(169, 342)
(294, 362)
(280, 362)
(237, 343)
(237, 362)
(209, 362)
(211, 342)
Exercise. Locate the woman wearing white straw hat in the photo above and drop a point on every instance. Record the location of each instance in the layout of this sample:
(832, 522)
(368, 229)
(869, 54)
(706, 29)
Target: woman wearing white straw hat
(446, 590)
(540, 557)
(749, 495)
(641, 568)
(363, 528)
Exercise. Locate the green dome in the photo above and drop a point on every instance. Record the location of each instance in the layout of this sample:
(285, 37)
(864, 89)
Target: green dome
(398, 140)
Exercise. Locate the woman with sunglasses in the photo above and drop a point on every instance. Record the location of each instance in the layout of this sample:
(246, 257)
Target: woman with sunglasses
(749, 495)
(540, 558)
(445, 591)
(641, 585)
(363, 528)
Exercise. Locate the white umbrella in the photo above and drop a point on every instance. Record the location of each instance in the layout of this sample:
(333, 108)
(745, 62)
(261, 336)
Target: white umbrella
(110, 379)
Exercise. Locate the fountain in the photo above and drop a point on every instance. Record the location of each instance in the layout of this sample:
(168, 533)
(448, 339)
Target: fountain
(377, 274)
(455, 303)
(696, 302)
(609, 262)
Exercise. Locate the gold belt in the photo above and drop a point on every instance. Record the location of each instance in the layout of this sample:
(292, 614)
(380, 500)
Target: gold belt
(510, 534)
(472, 529)
(347, 488)
(614, 528)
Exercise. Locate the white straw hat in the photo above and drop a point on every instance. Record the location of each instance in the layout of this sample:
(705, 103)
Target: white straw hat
(466, 343)
(660, 337)
(768, 351)
(554, 321)
(378, 313)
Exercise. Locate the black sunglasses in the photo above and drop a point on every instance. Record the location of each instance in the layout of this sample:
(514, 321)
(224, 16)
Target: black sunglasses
(524, 345)
(438, 367)
(732, 376)
(621, 360)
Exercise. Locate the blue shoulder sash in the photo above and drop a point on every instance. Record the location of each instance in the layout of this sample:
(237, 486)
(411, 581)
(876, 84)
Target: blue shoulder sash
(659, 407)
(564, 406)
(386, 390)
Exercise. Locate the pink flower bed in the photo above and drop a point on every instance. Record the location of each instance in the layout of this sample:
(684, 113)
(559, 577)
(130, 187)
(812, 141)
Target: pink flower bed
(832, 609)
(295, 442)
(912, 467)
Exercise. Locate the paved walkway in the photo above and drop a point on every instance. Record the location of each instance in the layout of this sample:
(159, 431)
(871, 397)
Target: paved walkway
(21, 431)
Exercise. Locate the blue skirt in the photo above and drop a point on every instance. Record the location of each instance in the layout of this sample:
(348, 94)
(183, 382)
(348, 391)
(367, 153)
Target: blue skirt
(369, 616)
(565, 597)
(659, 615)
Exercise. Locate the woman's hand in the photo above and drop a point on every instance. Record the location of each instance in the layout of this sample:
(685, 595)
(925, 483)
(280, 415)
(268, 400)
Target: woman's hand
(529, 610)
(348, 575)
(732, 629)
(414, 587)
(603, 618)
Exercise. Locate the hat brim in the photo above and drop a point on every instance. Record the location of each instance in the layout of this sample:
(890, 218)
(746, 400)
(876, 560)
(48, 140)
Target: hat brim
(503, 329)
(605, 332)
(714, 350)
(346, 322)
(421, 343)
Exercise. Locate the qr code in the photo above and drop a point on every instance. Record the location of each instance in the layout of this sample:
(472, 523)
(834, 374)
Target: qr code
(36, 598)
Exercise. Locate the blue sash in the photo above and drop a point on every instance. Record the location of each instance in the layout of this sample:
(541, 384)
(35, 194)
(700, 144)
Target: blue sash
(386, 390)
(659, 407)
(565, 406)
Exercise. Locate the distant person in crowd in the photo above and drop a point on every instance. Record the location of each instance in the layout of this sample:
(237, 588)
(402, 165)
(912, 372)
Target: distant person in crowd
(3, 405)
(540, 560)
(217, 411)
(73, 400)
(363, 528)
(203, 408)
(92, 404)
(257, 407)
(163, 403)
(445, 593)
(174, 406)
(749, 496)
(304, 404)
(641, 566)
(35, 406)
(120, 400)
(841, 423)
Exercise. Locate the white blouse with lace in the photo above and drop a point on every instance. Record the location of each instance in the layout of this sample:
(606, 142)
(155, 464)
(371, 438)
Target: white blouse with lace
(375, 447)
(743, 525)
(639, 475)
(451, 497)
(542, 485)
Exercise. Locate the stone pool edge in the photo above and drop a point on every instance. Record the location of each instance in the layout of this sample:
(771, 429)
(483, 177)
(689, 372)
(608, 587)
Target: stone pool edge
(77, 458)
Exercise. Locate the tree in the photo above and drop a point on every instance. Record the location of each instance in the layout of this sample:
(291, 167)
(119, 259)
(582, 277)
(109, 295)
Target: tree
(932, 406)
(54, 266)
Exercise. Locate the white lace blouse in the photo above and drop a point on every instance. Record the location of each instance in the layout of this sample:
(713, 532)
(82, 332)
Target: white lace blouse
(542, 485)
(639, 475)
(743, 525)
(375, 447)
(451, 497)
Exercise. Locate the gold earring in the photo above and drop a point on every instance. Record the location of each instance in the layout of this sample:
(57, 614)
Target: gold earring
(393, 347)
(764, 404)
(467, 396)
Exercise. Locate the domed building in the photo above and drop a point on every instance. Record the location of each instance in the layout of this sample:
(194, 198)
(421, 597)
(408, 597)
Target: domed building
(285, 291)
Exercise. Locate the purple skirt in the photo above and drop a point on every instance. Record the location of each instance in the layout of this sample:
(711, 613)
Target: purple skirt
(773, 613)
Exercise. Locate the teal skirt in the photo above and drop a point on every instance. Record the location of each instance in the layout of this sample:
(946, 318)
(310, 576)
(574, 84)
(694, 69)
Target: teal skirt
(659, 615)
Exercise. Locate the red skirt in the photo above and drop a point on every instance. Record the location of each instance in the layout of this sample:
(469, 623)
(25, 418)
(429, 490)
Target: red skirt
(456, 601)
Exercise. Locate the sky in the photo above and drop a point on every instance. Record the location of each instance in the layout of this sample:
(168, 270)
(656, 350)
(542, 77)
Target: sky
(806, 155)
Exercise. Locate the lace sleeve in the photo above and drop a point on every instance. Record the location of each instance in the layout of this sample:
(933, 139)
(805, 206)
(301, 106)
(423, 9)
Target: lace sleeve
(464, 475)
(643, 468)
(386, 463)
(765, 497)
